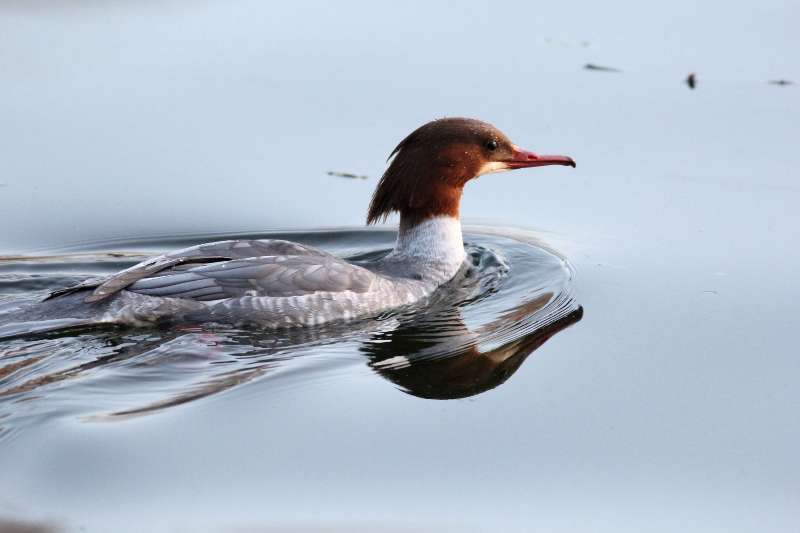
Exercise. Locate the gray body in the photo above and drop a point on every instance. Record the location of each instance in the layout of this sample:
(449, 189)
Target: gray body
(272, 283)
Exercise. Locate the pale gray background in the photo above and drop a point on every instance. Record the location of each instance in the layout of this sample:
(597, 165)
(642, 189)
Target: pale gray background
(671, 407)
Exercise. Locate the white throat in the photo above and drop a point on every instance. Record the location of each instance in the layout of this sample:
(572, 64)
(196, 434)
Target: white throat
(437, 240)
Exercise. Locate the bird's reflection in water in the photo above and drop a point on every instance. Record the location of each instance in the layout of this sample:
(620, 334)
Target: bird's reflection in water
(429, 361)
(430, 354)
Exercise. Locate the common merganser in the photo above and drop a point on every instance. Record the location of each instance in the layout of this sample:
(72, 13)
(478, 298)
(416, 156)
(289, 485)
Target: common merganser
(277, 283)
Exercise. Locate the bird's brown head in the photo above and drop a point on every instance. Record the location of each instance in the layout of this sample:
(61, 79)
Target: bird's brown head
(432, 165)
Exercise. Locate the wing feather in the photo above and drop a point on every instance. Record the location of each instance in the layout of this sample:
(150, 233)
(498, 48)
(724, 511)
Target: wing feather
(260, 276)
(168, 265)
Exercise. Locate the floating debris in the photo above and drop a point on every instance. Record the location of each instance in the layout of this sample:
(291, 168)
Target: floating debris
(691, 81)
(550, 41)
(591, 66)
(781, 82)
(349, 175)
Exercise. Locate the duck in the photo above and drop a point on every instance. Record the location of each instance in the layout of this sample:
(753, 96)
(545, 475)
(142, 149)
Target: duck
(278, 283)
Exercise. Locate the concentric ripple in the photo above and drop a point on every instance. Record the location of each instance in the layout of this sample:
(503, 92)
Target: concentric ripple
(468, 337)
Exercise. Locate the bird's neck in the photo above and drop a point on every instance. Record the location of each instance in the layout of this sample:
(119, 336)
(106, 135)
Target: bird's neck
(434, 240)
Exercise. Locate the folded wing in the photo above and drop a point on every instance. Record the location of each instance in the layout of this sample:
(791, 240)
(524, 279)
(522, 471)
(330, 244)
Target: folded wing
(181, 262)
(258, 276)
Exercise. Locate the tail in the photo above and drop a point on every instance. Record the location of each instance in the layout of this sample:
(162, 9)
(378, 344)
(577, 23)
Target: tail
(23, 315)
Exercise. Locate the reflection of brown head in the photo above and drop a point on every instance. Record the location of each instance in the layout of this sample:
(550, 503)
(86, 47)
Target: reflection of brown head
(466, 371)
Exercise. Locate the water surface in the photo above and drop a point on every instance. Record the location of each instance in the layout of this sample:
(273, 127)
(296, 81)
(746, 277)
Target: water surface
(672, 404)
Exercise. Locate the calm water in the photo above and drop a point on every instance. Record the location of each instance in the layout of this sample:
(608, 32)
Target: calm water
(671, 405)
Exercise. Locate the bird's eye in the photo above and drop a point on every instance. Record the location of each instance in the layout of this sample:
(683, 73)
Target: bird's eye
(491, 145)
